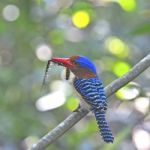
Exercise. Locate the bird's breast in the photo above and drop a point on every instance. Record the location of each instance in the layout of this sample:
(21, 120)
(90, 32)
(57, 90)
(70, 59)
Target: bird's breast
(80, 85)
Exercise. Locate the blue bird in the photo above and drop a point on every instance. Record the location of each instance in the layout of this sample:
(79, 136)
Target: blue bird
(89, 86)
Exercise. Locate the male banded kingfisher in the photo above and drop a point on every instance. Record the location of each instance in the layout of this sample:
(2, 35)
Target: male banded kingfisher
(89, 86)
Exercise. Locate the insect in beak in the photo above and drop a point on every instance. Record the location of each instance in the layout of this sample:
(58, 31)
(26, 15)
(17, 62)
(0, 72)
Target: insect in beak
(67, 74)
(59, 61)
(46, 73)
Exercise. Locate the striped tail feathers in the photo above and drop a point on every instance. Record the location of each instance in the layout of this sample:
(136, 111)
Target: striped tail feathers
(103, 126)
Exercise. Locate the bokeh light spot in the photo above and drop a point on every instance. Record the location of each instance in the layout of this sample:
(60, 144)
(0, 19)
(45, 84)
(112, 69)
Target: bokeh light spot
(101, 29)
(11, 12)
(127, 93)
(127, 5)
(43, 52)
(29, 141)
(142, 104)
(141, 139)
(50, 101)
(81, 19)
(72, 103)
(58, 85)
(120, 68)
(117, 47)
(74, 35)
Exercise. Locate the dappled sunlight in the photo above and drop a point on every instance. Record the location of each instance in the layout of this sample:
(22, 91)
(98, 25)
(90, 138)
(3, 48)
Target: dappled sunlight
(74, 35)
(50, 101)
(141, 138)
(129, 92)
(52, 6)
(56, 98)
(142, 104)
(63, 21)
(81, 19)
(113, 34)
(101, 29)
(72, 103)
(58, 85)
(120, 68)
(117, 47)
(44, 52)
(10, 12)
(127, 5)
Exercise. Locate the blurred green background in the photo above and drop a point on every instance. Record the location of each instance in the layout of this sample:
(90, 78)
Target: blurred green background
(115, 34)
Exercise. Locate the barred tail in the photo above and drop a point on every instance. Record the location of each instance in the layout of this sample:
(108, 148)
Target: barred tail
(103, 126)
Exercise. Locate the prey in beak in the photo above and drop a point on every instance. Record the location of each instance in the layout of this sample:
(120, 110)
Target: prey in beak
(65, 62)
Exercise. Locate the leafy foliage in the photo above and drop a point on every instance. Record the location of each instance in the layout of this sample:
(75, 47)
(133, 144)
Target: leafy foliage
(32, 31)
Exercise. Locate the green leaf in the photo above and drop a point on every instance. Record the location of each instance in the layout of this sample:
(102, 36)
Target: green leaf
(142, 29)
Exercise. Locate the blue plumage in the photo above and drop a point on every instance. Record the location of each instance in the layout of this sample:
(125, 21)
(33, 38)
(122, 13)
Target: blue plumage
(92, 91)
(90, 87)
(103, 126)
(86, 63)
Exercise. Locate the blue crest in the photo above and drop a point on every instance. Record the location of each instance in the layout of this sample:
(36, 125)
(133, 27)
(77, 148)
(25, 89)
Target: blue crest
(86, 63)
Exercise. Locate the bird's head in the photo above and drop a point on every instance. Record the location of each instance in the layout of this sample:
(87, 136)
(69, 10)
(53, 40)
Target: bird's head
(81, 66)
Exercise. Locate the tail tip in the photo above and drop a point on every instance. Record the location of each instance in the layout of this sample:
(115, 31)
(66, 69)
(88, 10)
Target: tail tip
(109, 140)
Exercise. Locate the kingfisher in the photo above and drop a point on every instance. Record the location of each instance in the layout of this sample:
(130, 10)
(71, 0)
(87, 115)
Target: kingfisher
(90, 87)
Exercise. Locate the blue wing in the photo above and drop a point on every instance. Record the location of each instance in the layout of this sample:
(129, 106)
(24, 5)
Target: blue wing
(92, 91)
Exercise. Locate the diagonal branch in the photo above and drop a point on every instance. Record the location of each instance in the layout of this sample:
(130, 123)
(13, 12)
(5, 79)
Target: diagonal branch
(72, 119)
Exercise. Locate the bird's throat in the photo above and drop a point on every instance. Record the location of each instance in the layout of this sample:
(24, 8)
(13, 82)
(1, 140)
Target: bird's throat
(83, 73)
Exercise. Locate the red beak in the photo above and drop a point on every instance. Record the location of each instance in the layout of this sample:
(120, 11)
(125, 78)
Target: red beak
(62, 61)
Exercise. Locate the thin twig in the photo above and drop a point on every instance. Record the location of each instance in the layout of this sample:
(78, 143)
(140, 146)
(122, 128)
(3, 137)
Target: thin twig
(72, 119)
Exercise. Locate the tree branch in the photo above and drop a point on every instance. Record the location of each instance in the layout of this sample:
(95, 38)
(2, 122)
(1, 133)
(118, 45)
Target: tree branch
(71, 120)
